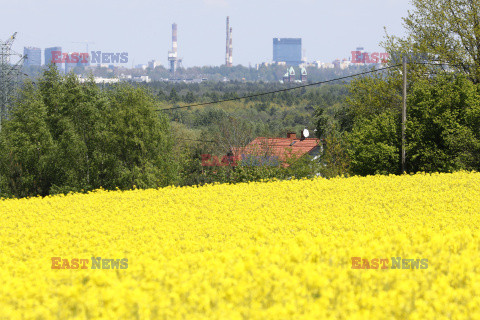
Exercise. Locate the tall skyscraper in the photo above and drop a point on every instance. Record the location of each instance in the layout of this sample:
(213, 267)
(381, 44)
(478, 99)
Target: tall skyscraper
(288, 50)
(69, 66)
(33, 56)
(49, 56)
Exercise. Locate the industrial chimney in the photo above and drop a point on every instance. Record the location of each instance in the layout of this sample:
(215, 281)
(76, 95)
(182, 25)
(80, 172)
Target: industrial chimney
(230, 49)
(173, 55)
(227, 46)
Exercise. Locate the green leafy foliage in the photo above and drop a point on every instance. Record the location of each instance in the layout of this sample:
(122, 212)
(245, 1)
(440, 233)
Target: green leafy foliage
(443, 127)
(444, 30)
(67, 136)
(373, 145)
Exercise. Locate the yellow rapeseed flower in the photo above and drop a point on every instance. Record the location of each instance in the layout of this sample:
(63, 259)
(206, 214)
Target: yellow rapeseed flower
(258, 250)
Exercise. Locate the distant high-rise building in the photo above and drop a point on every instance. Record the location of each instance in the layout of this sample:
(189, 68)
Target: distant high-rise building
(288, 50)
(49, 56)
(69, 66)
(33, 56)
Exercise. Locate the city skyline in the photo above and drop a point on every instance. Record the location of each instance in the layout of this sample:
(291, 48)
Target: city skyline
(328, 31)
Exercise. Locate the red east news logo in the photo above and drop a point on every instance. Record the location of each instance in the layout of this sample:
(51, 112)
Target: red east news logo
(97, 263)
(397, 263)
(384, 57)
(84, 57)
(376, 57)
(59, 57)
(213, 161)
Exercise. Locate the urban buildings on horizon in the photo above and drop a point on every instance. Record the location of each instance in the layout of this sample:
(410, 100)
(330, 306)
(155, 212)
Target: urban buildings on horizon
(33, 56)
(287, 50)
(49, 56)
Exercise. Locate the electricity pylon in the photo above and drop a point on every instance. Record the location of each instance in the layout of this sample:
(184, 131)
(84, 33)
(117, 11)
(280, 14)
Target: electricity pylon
(10, 73)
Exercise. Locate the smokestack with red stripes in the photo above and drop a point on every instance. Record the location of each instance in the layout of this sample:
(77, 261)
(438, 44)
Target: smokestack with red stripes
(174, 37)
(173, 55)
(227, 46)
(230, 50)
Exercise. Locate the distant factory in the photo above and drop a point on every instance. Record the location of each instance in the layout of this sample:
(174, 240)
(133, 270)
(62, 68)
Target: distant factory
(176, 62)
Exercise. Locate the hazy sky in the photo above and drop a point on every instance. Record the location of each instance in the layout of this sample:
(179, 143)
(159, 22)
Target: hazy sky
(329, 29)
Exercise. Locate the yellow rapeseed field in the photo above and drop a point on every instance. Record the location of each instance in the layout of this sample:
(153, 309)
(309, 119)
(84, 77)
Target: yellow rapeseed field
(275, 250)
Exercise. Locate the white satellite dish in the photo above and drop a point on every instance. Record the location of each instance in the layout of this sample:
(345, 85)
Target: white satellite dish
(306, 133)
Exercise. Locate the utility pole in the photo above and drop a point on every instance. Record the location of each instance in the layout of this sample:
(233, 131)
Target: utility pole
(404, 110)
(9, 76)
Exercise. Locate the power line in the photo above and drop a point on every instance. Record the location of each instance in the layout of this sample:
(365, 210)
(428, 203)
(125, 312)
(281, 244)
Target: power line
(286, 89)
(276, 91)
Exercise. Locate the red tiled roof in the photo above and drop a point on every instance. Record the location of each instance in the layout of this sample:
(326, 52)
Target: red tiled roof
(283, 148)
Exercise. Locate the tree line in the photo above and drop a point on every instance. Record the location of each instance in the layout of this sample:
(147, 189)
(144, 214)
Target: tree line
(443, 110)
(64, 135)
(67, 136)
